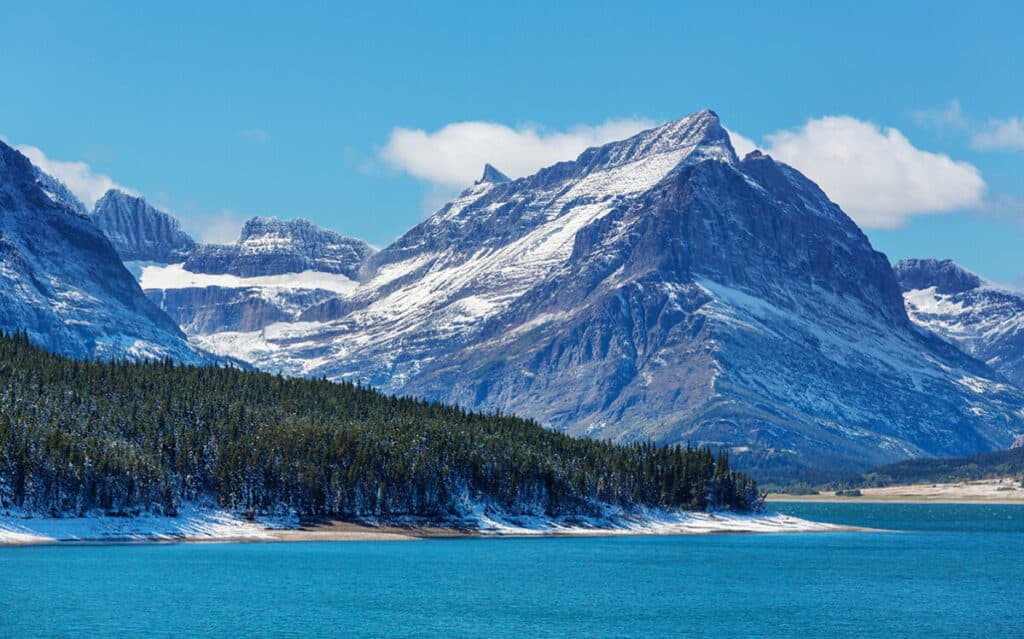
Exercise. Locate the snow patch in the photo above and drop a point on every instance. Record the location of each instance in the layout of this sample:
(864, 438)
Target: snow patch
(207, 524)
(192, 522)
(647, 522)
(174, 276)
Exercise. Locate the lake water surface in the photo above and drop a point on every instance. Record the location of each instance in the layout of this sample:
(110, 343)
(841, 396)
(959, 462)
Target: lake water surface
(955, 571)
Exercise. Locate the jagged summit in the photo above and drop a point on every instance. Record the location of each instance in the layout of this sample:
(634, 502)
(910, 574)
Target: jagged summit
(140, 231)
(946, 276)
(492, 176)
(271, 246)
(276, 270)
(299, 229)
(690, 139)
(20, 178)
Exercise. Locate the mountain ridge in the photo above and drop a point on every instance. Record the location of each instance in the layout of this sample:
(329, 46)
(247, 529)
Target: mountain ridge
(139, 231)
(640, 291)
(64, 284)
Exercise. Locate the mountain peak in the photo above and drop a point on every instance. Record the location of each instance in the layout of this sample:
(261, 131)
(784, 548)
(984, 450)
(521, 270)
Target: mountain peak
(272, 246)
(117, 198)
(946, 276)
(981, 319)
(24, 185)
(293, 228)
(492, 176)
(119, 195)
(702, 127)
(138, 230)
(635, 293)
(692, 139)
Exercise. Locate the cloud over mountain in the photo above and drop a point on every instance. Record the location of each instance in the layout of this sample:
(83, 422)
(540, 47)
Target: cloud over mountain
(87, 185)
(454, 155)
(876, 174)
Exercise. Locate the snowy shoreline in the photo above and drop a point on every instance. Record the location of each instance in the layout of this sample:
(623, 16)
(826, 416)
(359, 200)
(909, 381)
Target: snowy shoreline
(210, 525)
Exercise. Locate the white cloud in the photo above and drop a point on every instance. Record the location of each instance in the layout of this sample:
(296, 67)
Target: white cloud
(222, 227)
(993, 135)
(877, 176)
(1000, 135)
(874, 173)
(454, 156)
(951, 117)
(77, 176)
(742, 145)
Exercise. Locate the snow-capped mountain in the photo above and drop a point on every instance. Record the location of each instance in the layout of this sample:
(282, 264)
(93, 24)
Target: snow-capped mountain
(63, 283)
(268, 246)
(139, 231)
(658, 287)
(983, 319)
(276, 272)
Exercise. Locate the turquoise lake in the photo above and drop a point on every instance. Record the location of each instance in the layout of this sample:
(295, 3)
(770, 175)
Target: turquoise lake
(953, 571)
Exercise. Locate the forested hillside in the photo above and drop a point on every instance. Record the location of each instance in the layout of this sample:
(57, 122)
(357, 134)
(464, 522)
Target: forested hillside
(122, 437)
(1001, 463)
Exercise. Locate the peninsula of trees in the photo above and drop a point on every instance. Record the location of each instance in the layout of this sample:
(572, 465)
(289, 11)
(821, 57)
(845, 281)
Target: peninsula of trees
(79, 437)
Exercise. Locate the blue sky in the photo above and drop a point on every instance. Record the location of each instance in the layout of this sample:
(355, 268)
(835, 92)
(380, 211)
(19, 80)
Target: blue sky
(339, 113)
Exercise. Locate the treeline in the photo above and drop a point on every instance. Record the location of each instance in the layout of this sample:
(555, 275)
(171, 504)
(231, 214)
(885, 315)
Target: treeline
(123, 437)
(1001, 463)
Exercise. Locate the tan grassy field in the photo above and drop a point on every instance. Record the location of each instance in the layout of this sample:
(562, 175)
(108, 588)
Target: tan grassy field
(1006, 490)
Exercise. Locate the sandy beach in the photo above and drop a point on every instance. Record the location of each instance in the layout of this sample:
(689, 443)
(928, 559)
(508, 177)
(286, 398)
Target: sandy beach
(986, 491)
(352, 531)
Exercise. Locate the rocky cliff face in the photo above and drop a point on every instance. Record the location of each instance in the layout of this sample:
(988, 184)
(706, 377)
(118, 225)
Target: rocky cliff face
(208, 310)
(64, 284)
(278, 271)
(945, 276)
(662, 288)
(139, 231)
(984, 320)
(269, 246)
